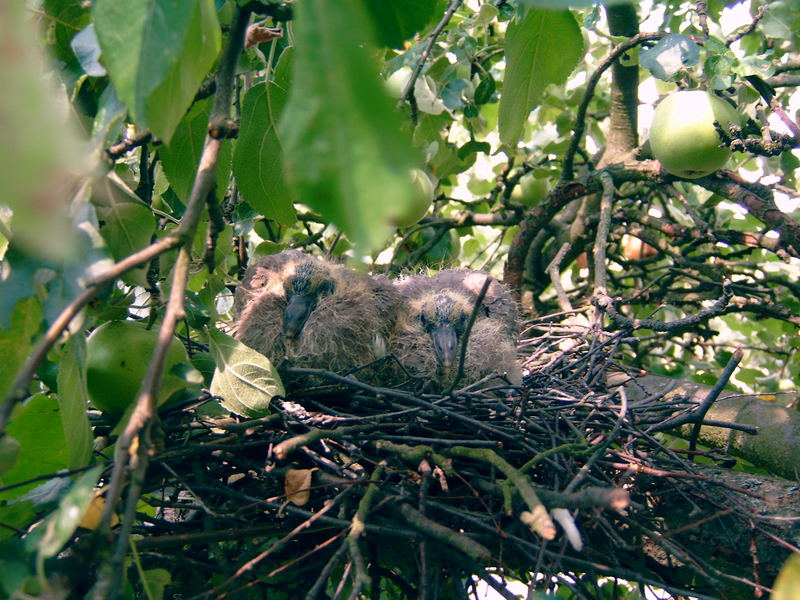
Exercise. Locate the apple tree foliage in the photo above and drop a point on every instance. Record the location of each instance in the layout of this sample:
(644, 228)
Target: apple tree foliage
(518, 111)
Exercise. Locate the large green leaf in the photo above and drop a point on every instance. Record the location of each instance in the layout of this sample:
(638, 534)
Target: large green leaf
(347, 154)
(157, 53)
(73, 400)
(258, 158)
(127, 223)
(181, 156)
(244, 379)
(36, 425)
(541, 49)
(16, 340)
(62, 523)
(787, 583)
(67, 17)
(398, 20)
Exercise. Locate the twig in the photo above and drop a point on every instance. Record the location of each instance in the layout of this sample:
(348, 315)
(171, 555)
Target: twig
(135, 443)
(536, 517)
(718, 308)
(362, 580)
(600, 242)
(580, 119)
(554, 269)
(462, 355)
(276, 546)
(408, 90)
(701, 411)
(747, 29)
(450, 537)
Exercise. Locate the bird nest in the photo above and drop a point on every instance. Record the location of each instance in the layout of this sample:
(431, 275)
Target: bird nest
(349, 489)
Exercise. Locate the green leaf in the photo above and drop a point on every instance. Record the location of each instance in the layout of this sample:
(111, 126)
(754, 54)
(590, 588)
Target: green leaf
(347, 154)
(788, 580)
(109, 118)
(87, 51)
(36, 425)
(541, 49)
(472, 147)
(156, 581)
(9, 452)
(396, 21)
(16, 340)
(73, 400)
(181, 156)
(672, 53)
(66, 17)
(258, 157)
(245, 379)
(485, 89)
(61, 524)
(128, 224)
(157, 53)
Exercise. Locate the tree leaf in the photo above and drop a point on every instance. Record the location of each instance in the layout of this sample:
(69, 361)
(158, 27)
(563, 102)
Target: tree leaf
(157, 53)
(396, 21)
(9, 452)
(181, 156)
(66, 17)
(87, 51)
(245, 379)
(128, 224)
(16, 340)
(61, 524)
(297, 485)
(73, 400)
(36, 425)
(672, 53)
(347, 154)
(541, 49)
(787, 583)
(258, 157)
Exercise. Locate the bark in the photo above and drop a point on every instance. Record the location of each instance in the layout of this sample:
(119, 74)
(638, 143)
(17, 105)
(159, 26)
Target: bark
(728, 542)
(622, 135)
(775, 448)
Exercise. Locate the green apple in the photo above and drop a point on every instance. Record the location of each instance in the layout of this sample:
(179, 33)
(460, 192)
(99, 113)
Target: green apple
(420, 201)
(682, 136)
(117, 355)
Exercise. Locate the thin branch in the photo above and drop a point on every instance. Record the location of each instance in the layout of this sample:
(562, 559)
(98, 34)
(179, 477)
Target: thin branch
(408, 90)
(462, 355)
(701, 411)
(554, 269)
(580, 119)
(135, 444)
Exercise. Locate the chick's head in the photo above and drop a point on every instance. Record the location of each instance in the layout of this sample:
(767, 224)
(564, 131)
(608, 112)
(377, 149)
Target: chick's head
(310, 283)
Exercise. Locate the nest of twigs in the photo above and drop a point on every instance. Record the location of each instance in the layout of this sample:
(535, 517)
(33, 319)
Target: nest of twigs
(350, 490)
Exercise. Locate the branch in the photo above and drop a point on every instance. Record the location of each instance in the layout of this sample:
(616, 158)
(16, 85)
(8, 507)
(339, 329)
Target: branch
(135, 443)
(462, 355)
(605, 302)
(580, 119)
(408, 91)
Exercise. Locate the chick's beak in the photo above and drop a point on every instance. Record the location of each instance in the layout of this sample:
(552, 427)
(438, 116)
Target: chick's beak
(296, 314)
(445, 343)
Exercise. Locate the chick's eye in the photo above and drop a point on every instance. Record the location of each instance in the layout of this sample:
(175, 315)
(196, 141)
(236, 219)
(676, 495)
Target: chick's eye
(325, 288)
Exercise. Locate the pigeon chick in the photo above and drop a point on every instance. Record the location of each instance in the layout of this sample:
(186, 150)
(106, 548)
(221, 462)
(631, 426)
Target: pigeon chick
(301, 311)
(434, 317)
